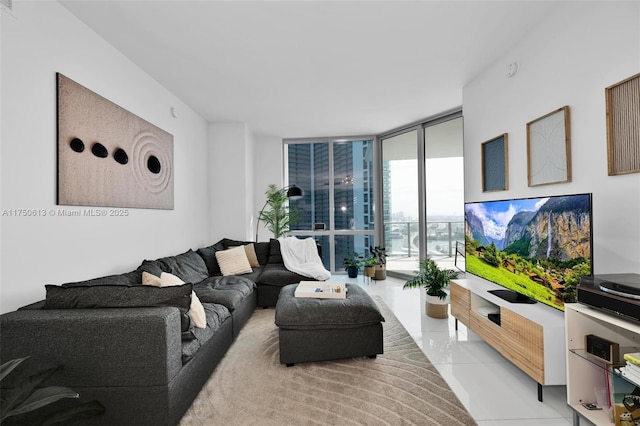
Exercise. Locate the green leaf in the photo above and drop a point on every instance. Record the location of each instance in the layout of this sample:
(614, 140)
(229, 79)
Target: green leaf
(81, 411)
(40, 398)
(25, 388)
(9, 366)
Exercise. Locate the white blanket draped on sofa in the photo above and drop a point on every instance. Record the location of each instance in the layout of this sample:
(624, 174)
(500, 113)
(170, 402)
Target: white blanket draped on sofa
(301, 256)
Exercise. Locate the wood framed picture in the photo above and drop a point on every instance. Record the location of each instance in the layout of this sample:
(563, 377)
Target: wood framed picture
(495, 164)
(549, 148)
(623, 126)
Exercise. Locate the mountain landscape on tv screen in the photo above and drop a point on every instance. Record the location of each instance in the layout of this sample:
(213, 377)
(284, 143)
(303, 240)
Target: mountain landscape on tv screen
(539, 247)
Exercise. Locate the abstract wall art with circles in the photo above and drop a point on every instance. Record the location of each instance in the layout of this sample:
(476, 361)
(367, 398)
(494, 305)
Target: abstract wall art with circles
(108, 156)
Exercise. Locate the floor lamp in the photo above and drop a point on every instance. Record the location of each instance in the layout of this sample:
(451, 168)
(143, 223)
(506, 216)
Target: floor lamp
(293, 193)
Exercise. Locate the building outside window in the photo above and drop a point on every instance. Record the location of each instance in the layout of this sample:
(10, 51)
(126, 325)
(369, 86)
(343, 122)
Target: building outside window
(338, 204)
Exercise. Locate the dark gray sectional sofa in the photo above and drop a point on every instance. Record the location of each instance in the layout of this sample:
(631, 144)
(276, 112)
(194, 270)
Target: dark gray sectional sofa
(133, 347)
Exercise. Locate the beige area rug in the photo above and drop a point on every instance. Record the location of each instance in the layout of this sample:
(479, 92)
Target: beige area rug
(251, 387)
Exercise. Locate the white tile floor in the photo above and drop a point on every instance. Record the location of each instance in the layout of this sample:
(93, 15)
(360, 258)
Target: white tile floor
(495, 392)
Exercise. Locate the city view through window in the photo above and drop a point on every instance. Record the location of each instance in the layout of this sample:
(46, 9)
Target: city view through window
(338, 209)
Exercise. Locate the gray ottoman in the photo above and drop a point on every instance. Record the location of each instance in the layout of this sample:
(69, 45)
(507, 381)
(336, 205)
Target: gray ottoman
(324, 329)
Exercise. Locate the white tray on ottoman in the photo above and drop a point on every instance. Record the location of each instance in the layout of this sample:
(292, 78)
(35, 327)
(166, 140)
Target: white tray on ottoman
(321, 290)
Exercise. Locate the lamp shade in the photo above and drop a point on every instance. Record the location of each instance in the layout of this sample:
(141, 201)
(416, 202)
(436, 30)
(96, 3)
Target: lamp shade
(294, 192)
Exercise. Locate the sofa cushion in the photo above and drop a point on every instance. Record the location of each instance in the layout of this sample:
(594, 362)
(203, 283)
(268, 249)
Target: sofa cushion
(196, 311)
(278, 275)
(229, 243)
(262, 252)
(120, 296)
(216, 315)
(233, 261)
(129, 278)
(208, 254)
(275, 256)
(228, 291)
(189, 266)
(261, 249)
(154, 267)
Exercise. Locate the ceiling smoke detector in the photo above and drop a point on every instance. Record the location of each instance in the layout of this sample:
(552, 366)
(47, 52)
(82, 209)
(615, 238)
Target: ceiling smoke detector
(512, 69)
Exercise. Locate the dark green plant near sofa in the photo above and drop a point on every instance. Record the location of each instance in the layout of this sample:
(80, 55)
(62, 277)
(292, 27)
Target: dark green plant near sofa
(279, 216)
(26, 397)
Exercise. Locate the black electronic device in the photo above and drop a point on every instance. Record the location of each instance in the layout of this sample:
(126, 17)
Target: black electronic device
(613, 293)
(603, 349)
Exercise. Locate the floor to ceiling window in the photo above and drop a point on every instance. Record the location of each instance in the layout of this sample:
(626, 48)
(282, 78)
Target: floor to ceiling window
(423, 194)
(400, 200)
(420, 176)
(444, 192)
(337, 208)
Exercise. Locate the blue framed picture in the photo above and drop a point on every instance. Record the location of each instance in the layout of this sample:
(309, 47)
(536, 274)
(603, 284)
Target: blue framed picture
(495, 164)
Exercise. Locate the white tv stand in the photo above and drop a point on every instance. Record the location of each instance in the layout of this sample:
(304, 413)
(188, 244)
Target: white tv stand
(585, 374)
(531, 336)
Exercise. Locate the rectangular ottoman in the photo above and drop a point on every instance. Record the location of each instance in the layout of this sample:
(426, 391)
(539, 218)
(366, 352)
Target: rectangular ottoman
(324, 329)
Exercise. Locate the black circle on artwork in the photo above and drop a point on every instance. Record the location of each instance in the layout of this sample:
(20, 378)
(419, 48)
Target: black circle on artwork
(77, 145)
(120, 156)
(99, 150)
(153, 164)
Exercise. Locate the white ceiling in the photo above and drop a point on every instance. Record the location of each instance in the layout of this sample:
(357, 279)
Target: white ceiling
(314, 68)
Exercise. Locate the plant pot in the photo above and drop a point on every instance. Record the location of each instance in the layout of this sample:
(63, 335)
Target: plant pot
(352, 271)
(370, 271)
(381, 272)
(436, 307)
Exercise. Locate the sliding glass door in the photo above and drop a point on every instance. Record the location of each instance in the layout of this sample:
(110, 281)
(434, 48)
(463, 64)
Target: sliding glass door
(444, 192)
(423, 195)
(400, 201)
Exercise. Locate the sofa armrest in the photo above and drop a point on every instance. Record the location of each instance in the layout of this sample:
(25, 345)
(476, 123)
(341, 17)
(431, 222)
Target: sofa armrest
(97, 347)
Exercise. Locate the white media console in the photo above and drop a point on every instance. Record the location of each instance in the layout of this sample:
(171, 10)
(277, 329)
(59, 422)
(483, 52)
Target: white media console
(531, 336)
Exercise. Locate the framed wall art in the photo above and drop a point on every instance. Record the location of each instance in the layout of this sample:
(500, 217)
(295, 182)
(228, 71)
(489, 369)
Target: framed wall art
(623, 126)
(549, 148)
(495, 164)
(108, 156)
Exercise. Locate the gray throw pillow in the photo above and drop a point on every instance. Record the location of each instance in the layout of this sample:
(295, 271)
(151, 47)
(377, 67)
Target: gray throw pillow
(121, 296)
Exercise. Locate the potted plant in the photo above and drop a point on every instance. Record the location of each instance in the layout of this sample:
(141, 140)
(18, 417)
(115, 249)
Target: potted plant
(279, 215)
(352, 264)
(370, 263)
(434, 280)
(380, 255)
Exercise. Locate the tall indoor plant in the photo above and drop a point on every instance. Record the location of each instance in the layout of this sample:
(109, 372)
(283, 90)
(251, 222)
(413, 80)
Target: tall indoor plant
(434, 280)
(277, 215)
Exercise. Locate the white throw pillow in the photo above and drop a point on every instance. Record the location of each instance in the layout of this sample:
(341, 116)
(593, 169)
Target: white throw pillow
(168, 280)
(233, 261)
(196, 310)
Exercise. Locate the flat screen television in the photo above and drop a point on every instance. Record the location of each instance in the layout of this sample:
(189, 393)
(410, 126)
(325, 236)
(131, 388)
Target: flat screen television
(536, 248)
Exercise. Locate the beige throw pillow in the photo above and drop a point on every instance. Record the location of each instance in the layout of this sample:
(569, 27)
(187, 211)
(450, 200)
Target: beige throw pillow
(196, 310)
(250, 250)
(150, 279)
(233, 261)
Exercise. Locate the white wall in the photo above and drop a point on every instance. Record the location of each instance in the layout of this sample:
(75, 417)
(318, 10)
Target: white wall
(567, 60)
(231, 181)
(269, 168)
(42, 38)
